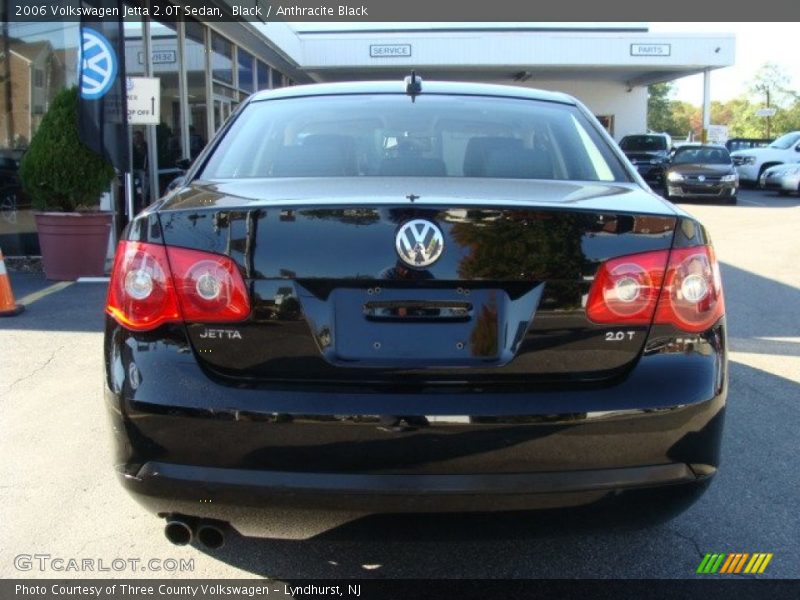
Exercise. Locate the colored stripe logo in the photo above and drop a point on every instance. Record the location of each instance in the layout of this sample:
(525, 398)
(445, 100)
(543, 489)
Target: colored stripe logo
(734, 562)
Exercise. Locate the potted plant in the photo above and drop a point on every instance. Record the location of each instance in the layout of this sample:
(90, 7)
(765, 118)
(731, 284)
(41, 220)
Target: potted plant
(65, 180)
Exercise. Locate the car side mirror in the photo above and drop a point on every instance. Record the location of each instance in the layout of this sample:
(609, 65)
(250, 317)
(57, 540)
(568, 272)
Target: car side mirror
(183, 164)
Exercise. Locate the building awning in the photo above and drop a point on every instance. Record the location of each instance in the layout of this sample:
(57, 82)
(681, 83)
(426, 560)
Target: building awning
(629, 57)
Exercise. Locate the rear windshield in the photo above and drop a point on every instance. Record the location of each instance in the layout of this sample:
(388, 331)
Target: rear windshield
(704, 156)
(387, 135)
(643, 143)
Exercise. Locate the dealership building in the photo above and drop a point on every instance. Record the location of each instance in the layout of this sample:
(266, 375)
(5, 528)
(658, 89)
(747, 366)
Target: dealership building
(207, 69)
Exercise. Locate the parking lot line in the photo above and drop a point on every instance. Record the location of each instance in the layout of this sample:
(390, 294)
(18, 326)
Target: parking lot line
(752, 202)
(51, 289)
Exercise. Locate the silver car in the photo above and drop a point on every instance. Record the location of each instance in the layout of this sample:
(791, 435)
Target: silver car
(783, 178)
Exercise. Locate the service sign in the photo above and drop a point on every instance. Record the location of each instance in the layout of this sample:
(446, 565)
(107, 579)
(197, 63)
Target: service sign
(389, 50)
(144, 100)
(159, 57)
(651, 49)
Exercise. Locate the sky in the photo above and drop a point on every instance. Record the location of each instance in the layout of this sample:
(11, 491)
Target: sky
(756, 44)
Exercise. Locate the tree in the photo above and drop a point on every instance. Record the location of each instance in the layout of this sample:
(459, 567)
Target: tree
(687, 119)
(58, 172)
(771, 83)
(659, 107)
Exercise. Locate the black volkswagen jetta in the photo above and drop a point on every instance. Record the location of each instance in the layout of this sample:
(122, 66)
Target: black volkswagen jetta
(380, 297)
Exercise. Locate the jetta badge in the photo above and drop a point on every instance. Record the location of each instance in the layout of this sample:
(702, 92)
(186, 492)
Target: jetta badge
(419, 243)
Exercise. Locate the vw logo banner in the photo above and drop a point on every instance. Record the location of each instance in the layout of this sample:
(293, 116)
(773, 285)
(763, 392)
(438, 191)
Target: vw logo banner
(102, 110)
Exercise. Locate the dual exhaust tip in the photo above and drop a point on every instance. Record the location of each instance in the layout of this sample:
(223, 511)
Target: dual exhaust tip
(181, 531)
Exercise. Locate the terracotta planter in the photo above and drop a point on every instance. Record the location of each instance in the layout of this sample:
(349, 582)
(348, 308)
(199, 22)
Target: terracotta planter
(73, 244)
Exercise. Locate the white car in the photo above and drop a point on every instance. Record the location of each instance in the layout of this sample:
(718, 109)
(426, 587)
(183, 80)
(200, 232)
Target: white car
(781, 178)
(751, 164)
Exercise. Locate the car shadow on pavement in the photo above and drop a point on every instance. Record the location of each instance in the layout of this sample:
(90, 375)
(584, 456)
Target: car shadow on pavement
(465, 545)
(761, 313)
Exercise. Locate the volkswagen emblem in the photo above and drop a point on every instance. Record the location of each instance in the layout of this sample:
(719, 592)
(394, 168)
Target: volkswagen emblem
(98, 64)
(701, 178)
(419, 243)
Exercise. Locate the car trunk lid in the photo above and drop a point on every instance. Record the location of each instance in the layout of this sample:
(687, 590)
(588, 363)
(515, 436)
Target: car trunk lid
(333, 301)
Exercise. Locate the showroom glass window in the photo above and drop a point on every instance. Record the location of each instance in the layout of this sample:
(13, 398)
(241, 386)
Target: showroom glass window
(37, 60)
(166, 66)
(195, 65)
(224, 96)
(245, 74)
(263, 75)
(221, 59)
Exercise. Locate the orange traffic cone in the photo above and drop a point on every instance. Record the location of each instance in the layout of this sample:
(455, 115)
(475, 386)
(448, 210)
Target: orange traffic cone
(8, 307)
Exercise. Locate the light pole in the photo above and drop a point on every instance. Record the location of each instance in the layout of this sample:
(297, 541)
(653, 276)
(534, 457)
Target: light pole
(768, 117)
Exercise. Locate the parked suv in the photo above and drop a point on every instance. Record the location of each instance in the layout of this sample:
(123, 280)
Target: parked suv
(649, 153)
(735, 144)
(751, 164)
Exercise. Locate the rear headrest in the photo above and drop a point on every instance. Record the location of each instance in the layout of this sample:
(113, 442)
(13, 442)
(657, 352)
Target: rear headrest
(413, 166)
(479, 149)
(519, 164)
(344, 143)
(322, 155)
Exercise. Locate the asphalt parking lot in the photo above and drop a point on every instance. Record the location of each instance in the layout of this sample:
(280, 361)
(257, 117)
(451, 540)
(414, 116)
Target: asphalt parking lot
(58, 496)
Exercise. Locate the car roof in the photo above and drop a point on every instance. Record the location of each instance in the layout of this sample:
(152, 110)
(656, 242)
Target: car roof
(399, 87)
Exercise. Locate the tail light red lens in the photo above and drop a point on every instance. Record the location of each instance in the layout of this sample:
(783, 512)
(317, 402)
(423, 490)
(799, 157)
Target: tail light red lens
(625, 289)
(642, 288)
(153, 284)
(141, 295)
(210, 287)
(691, 298)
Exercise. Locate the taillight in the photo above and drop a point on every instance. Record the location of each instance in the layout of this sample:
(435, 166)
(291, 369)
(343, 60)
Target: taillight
(625, 289)
(141, 294)
(210, 287)
(153, 284)
(691, 298)
(641, 288)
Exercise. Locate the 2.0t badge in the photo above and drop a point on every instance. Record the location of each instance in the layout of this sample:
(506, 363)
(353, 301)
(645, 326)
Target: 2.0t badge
(419, 243)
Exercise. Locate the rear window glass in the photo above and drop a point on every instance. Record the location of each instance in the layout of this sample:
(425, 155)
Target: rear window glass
(386, 135)
(643, 143)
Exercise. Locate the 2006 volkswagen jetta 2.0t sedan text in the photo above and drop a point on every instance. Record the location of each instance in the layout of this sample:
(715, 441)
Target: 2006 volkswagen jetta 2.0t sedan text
(412, 296)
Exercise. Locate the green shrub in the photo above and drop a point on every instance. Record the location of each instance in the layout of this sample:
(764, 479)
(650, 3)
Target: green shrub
(58, 172)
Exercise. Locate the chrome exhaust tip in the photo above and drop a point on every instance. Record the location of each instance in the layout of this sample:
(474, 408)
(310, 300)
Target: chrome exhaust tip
(178, 531)
(211, 536)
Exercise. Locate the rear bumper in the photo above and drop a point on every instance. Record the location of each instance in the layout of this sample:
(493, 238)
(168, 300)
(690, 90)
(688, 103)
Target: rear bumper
(188, 444)
(206, 492)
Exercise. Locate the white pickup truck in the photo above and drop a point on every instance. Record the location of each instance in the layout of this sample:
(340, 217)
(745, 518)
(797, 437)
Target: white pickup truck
(750, 164)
